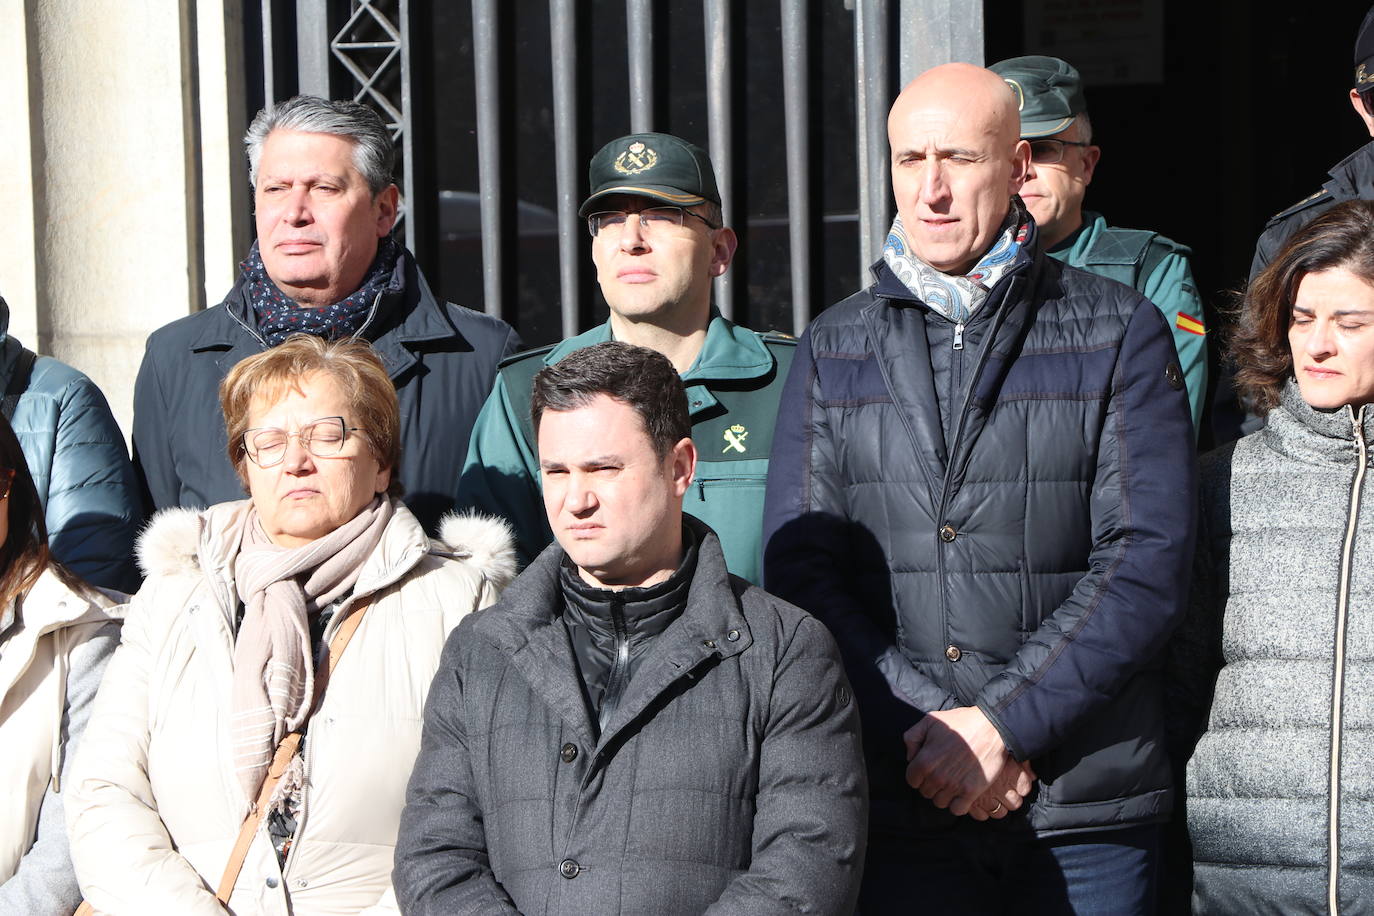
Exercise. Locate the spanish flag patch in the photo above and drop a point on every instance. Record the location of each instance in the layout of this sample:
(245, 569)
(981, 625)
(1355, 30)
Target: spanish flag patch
(1190, 324)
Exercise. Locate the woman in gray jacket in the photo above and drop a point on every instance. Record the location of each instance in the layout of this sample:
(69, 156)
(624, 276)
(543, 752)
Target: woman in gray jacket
(1276, 659)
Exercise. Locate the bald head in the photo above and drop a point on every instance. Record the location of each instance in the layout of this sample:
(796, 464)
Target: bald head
(957, 158)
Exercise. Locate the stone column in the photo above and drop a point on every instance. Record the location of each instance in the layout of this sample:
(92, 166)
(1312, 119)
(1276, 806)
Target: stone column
(118, 172)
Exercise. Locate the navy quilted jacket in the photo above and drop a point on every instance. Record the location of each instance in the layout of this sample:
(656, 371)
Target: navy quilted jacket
(1023, 546)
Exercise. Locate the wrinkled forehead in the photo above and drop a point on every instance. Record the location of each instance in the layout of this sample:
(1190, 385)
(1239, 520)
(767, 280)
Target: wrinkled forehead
(944, 125)
(285, 396)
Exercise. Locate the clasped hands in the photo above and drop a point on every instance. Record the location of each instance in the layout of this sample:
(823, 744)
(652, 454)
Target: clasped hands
(957, 759)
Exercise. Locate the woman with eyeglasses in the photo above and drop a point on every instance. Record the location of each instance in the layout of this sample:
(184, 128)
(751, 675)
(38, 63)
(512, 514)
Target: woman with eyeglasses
(1274, 664)
(252, 741)
(56, 635)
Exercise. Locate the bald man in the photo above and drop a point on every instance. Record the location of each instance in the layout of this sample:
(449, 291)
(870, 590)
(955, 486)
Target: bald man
(982, 480)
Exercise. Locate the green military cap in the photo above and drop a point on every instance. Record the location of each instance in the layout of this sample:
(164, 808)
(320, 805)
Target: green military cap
(1049, 93)
(658, 166)
(1364, 53)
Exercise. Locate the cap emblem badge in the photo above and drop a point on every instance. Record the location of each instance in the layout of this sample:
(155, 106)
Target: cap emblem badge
(636, 158)
(734, 438)
(1017, 91)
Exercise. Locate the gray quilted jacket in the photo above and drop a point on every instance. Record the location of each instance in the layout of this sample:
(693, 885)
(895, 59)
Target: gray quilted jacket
(729, 779)
(1281, 786)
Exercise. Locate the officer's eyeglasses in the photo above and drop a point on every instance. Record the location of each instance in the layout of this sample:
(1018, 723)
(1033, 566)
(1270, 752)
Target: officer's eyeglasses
(651, 219)
(1366, 97)
(1048, 152)
(323, 438)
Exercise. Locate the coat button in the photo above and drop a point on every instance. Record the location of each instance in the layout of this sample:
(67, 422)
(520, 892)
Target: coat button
(271, 882)
(953, 654)
(568, 868)
(733, 635)
(569, 752)
(947, 533)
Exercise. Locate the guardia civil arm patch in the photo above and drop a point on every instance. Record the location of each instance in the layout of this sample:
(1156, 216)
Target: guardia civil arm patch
(1190, 324)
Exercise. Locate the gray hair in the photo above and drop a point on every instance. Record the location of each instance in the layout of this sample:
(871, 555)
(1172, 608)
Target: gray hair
(1085, 128)
(373, 149)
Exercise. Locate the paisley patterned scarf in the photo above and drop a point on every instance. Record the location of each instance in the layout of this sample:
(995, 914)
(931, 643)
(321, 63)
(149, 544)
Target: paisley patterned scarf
(955, 297)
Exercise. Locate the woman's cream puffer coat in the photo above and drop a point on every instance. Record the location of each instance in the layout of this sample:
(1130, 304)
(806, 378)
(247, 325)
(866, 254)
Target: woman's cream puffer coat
(154, 808)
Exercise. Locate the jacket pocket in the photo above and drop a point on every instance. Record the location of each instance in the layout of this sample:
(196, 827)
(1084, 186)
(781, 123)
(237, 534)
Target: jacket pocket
(728, 496)
(1030, 616)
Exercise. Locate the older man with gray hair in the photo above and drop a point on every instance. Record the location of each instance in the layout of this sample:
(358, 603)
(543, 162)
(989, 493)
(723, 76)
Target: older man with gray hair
(325, 263)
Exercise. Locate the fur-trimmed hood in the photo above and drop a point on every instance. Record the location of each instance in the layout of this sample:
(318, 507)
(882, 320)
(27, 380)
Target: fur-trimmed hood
(489, 542)
(180, 541)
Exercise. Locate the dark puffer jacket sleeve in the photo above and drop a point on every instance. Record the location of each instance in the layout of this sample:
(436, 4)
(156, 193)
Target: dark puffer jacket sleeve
(811, 549)
(810, 824)
(80, 466)
(1143, 509)
(442, 866)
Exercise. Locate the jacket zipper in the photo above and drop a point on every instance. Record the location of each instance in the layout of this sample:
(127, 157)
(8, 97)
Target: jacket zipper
(951, 453)
(371, 313)
(252, 333)
(701, 483)
(959, 336)
(1338, 675)
(620, 666)
(286, 869)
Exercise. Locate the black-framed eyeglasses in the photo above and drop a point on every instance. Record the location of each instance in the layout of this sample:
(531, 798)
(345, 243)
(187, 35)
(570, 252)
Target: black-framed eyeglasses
(1049, 151)
(1366, 94)
(323, 438)
(651, 219)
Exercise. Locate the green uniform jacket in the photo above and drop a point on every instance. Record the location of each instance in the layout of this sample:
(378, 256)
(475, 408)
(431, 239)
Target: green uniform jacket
(1158, 269)
(732, 392)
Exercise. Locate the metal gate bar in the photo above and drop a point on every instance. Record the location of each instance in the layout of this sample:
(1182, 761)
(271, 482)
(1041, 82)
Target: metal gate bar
(796, 97)
(872, 84)
(930, 32)
(563, 23)
(720, 97)
(639, 38)
(486, 52)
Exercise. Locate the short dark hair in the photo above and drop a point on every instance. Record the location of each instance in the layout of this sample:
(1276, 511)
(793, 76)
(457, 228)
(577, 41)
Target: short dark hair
(1341, 238)
(639, 377)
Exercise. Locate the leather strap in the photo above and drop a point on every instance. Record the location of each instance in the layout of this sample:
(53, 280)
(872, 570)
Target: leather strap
(282, 758)
(280, 761)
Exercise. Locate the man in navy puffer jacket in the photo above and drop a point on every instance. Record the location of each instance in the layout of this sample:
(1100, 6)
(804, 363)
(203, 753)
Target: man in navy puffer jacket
(983, 482)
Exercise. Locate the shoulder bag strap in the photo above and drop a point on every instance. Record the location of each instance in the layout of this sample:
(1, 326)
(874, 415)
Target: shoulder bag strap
(282, 758)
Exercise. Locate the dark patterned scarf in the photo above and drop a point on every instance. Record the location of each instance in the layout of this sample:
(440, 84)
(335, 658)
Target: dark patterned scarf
(279, 316)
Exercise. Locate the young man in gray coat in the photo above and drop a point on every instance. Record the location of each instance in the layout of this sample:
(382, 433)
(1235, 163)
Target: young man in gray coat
(632, 729)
